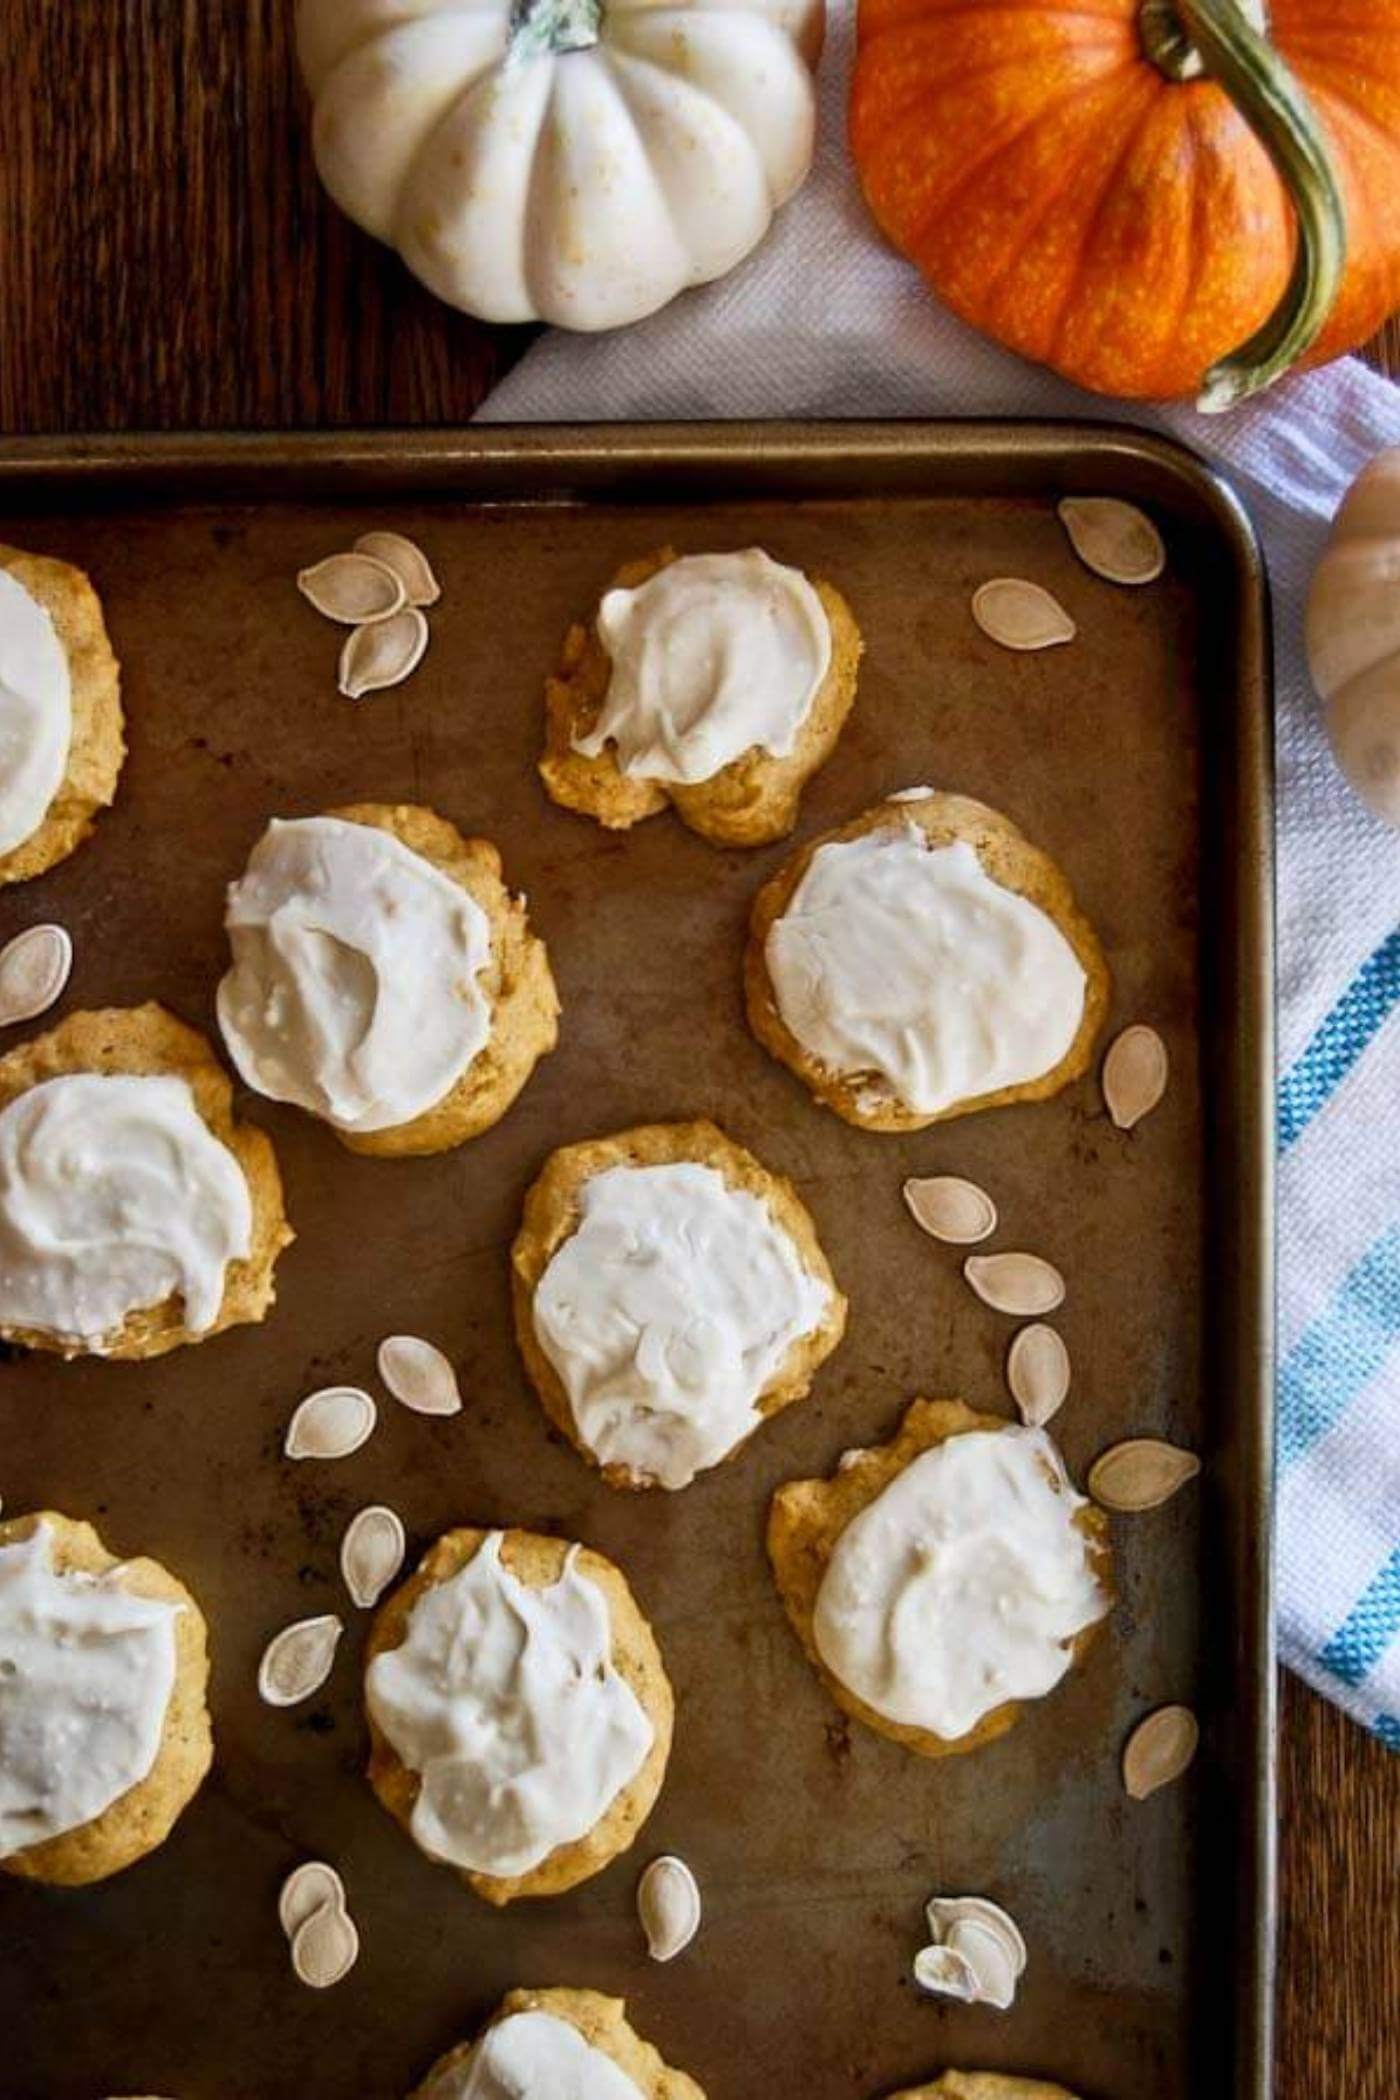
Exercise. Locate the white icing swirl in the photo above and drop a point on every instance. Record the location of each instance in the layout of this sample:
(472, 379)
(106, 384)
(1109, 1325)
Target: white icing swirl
(962, 1585)
(907, 964)
(534, 2056)
(36, 713)
(504, 1700)
(114, 1196)
(715, 655)
(666, 1313)
(86, 1673)
(354, 987)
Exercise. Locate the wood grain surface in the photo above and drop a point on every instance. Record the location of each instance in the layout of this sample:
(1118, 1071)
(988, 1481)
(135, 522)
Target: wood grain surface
(166, 260)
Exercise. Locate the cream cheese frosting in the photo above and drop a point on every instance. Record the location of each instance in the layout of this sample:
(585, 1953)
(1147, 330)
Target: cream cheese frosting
(715, 655)
(906, 965)
(354, 989)
(36, 713)
(114, 1196)
(505, 1702)
(666, 1313)
(534, 2056)
(962, 1586)
(86, 1673)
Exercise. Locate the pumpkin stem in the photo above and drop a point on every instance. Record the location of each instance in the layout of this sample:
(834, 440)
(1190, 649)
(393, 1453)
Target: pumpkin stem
(1186, 36)
(543, 28)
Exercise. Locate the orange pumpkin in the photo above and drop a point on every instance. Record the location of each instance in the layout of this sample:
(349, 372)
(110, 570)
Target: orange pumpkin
(1067, 187)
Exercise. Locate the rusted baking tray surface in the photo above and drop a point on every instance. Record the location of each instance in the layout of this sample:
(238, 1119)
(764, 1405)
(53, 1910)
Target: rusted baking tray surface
(1139, 758)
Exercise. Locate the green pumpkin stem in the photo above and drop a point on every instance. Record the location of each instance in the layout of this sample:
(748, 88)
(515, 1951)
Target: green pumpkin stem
(545, 28)
(1219, 34)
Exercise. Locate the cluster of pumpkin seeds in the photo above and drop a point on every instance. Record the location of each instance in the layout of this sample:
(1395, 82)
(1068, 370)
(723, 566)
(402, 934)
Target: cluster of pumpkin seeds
(321, 1933)
(1139, 1474)
(1113, 539)
(330, 1424)
(380, 590)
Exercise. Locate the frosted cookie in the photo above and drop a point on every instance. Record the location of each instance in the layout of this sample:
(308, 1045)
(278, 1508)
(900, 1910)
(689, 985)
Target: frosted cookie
(940, 1580)
(670, 1294)
(384, 978)
(520, 1717)
(135, 1214)
(983, 2085)
(544, 2045)
(62, 739)
(922, 962)
(715, 682)
(104, 1731)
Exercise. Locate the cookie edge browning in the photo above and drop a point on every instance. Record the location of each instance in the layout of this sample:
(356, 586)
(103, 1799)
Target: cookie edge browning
(537, 1561)
(141, 1819)
(97, 750)
(1010, 859)
(550, 1217)
(518, 983)
(750, 802)
(602, 2021)
(806, 1518)
(148, 1041)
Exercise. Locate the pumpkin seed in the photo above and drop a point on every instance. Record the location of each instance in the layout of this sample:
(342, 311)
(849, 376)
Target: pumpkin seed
(1020, 615)
(1037, 1372)
(1134, 1075)
(371, 1554)
(1159, 1750)
(951, 1209)
(1022, 1284)
(408, 562)
(946, 1913)
(1140, 1474)
(305, 1889)
(34, 968)
(325, 1947)
(948, 1973)
(297, 1661)
(986, 1954)
(1114, 539)
(383, 654)
(668, 1904)
(352, 589)
(331, 1423)
(419, 1375)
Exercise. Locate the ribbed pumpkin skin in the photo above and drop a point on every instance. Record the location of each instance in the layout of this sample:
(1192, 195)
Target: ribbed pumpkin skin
(1063, 196)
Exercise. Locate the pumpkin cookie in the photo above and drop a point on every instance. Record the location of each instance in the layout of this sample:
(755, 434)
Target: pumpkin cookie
(62, 738)
(670, 1294)
(540, 2044)
(384, 978)
(939, 1580)
(718, 683)
(525, 1763)
(983, 2085)
(922, 962)
(171, 1231)
(104, 1731)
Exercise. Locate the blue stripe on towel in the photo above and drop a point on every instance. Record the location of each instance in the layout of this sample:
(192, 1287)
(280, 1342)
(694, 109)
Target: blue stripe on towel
(1339, 1041)
(1342, 1350)
(1368, 1629)
(1387, 1727)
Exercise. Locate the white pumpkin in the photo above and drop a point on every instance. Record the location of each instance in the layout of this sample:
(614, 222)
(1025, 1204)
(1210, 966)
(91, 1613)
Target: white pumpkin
(572, 161)
(1353, 634)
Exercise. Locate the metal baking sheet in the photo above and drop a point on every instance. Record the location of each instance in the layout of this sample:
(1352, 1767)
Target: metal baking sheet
(1139, 757)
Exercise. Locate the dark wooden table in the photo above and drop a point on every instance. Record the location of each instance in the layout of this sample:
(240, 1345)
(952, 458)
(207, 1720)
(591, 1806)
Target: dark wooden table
(167, 261)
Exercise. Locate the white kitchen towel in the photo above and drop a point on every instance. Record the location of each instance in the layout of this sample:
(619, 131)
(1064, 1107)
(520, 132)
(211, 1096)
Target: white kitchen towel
(826, 321)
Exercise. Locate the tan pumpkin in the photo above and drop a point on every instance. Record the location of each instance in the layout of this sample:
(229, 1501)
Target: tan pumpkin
(1353, 635)
(1069, 184)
